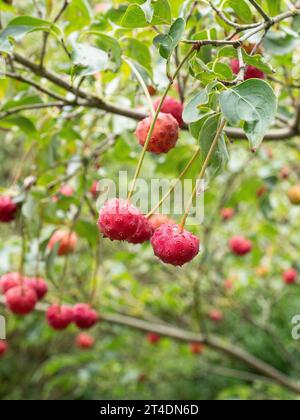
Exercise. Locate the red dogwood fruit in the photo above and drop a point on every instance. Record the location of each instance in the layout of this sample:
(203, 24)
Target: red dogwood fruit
(173, 107)
(84, 316)
(164, 136)
(59, 317)
(175, 246)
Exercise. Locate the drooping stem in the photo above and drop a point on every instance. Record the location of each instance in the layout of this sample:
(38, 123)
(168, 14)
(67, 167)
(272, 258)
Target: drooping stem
(168, 193)
(202, 172)
(142, 83)
(154, 120)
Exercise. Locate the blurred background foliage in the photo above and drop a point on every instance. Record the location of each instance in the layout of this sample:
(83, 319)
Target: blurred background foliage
(257, 309)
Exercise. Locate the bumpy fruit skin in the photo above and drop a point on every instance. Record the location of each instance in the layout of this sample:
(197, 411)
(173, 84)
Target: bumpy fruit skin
(121, 221)
(84, 316)
(67, 242)
(164, 136)
(8, 209)
(196, 348)
(85, 341)
(173, 107)
(21, 300)
(174, 246)
(143, 233)
(9, 280)
(215, 315)
(59, 317)
(294, 195)
(157, 220)
(290, 276)
(240, 245)
(227, 213)
(3, 347)
(251, 71)
(38, 284)
(153, 338)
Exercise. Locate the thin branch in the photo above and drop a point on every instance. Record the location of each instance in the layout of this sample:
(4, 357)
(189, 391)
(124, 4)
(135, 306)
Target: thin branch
(37, 86)
(230, 22)
(46, 34)
(260, 10)
(30, 107)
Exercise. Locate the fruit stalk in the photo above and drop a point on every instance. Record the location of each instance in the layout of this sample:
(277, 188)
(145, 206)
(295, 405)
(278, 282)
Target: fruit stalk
(142, 83)
(202, 172)
(187, 167)
(140, 163)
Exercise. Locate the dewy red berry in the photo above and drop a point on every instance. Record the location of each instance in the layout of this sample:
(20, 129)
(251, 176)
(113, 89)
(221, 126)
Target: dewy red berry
(85, 341)
(153, 338)
(67, 242)
(84, 316)
(290, 276)
(251, 71)
(175, 246)
(9, 280)
(59, 317)
(121, 221)
(164, 136)
(3, 347)
(21, 300)
(173, 107)
(39, 285)
(143, 233)
(8, 209)
(240, 245)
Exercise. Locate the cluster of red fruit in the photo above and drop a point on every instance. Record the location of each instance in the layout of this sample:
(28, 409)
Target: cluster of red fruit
(119, 220)
(59, 317)
(22, 293)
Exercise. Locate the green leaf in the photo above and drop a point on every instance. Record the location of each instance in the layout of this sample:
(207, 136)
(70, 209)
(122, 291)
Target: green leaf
(111, 46)
(273, 7)
(26, 100)
(220, 156)
(140, 53)
(254, 103)
(78, 15)
(88, 60)
(137, 16)
(25, 124)
(192, 112)
(22, 25)
(241, 9)
(280, 43)
(257, 60)
(168, 42)
(88, 231)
